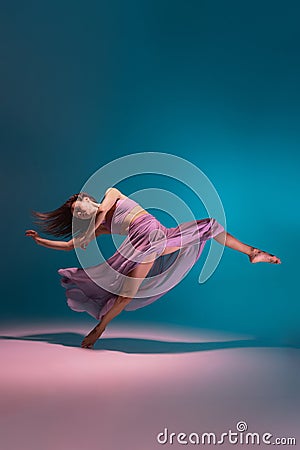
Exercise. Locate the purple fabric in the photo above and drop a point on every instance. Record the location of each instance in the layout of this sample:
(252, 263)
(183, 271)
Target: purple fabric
(146, 238)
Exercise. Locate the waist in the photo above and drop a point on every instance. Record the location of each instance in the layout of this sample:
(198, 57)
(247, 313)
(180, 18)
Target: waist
(136, 212)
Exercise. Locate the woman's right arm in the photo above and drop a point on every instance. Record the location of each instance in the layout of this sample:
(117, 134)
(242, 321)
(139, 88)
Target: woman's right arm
(62, 245)
(56, 245)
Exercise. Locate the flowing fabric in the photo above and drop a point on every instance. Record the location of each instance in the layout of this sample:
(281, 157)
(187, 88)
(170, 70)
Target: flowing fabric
(95, 289)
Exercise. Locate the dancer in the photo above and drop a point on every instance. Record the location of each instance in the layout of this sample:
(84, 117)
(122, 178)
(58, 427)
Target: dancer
(151, 260)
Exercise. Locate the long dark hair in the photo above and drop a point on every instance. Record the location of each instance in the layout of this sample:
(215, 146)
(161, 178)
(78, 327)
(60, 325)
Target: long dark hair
(59, 221)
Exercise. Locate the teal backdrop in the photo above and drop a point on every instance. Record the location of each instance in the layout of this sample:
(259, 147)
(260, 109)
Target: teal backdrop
(217, 83)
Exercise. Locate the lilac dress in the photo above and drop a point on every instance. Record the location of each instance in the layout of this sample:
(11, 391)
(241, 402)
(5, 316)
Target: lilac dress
(95, 289)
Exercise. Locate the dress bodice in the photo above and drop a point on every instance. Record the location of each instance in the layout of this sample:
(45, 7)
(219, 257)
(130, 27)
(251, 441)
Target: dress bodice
(119, 221)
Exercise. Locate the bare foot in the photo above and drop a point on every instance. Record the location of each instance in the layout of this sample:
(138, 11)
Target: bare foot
(92, 337)
(258, 255)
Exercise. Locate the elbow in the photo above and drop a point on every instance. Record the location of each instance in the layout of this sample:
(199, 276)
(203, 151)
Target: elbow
(114, 193)
(118, 193)
(101, 209)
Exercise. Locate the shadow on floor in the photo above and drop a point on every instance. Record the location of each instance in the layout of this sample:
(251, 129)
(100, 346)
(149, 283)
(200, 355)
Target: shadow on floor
(148, 346)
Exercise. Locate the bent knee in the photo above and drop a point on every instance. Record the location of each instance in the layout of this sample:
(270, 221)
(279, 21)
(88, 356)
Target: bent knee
(122, 300)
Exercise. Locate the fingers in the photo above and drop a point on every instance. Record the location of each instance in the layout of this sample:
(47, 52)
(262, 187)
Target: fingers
(31, 233)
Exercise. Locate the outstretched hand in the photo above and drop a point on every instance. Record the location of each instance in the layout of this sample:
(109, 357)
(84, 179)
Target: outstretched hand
(32, 233)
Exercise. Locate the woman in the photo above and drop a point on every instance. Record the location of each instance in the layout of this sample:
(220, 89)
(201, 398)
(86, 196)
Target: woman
(146, 265)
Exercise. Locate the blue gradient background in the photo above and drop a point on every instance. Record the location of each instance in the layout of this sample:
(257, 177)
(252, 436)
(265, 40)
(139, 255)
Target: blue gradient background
(214, 82)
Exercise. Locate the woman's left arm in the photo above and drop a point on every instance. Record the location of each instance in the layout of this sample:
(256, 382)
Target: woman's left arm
(111, 196)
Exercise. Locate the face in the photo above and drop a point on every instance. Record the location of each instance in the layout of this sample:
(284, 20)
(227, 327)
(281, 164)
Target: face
(84, 209)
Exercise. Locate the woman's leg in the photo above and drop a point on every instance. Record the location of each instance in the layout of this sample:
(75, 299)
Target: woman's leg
(139, 271)
(228, 240)
(255, 255)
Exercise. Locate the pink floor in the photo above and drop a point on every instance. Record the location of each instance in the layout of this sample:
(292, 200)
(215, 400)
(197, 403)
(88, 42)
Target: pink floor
(139, 380)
